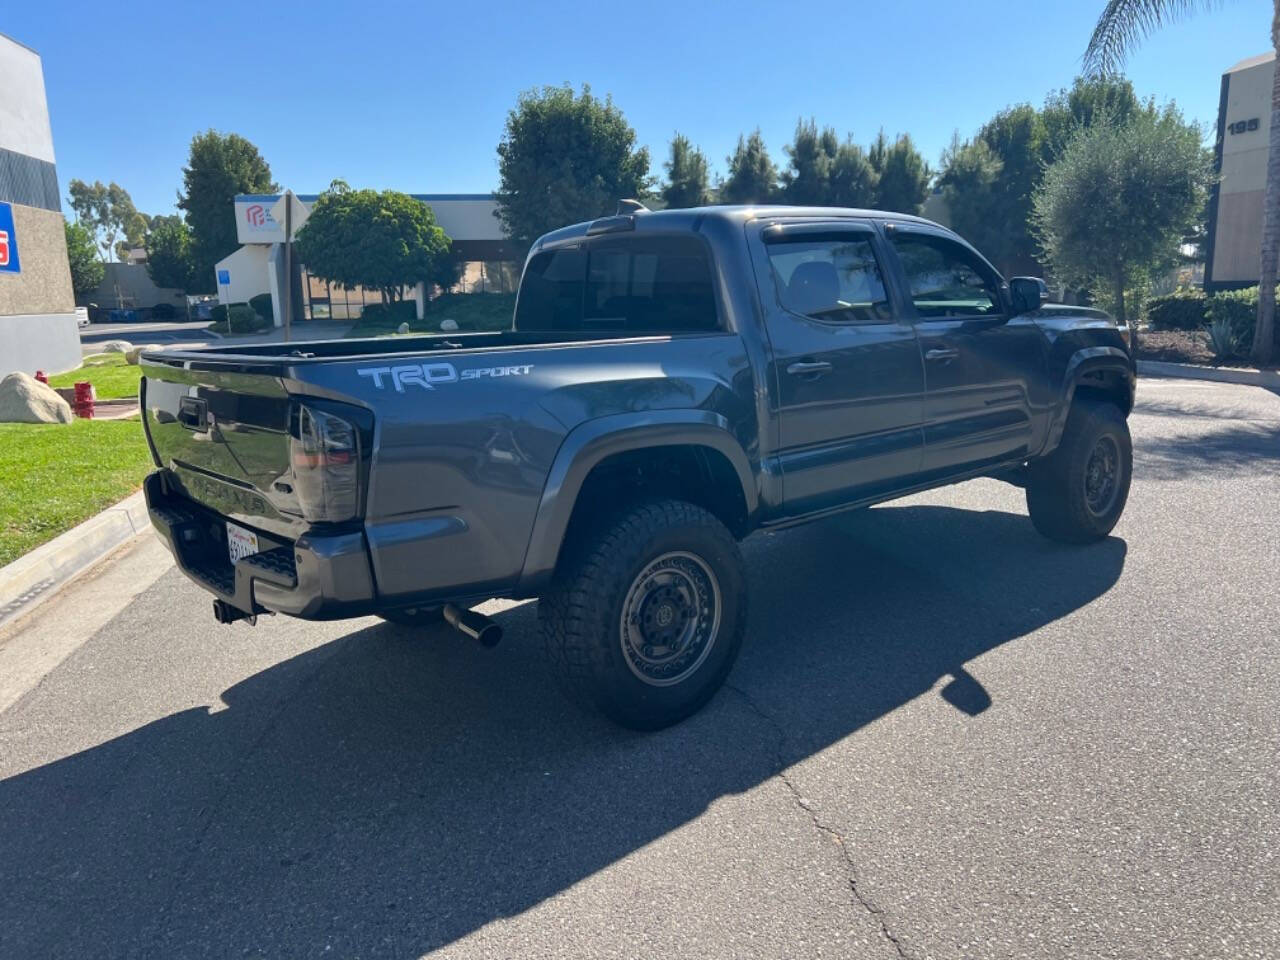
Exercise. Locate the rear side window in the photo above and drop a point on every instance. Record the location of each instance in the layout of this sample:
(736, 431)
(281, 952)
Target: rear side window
(551, 291)
(945, 278)
(834, 278)
(640, 285)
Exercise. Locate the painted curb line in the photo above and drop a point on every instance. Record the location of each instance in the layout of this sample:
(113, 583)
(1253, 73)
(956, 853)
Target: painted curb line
(26, 582)
(1187, 371)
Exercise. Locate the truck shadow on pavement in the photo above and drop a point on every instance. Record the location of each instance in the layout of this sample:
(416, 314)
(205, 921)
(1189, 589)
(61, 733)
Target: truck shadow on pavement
(390, 792)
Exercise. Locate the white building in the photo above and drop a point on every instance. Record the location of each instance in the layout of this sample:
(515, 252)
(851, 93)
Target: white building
(490, 261)
(37, 307)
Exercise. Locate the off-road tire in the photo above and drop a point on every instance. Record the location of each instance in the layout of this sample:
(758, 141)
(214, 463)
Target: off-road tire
(1058, 487)
(414, 616)
(581, 614)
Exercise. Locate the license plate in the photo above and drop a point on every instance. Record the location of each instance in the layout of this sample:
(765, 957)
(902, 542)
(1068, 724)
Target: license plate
(240, 542)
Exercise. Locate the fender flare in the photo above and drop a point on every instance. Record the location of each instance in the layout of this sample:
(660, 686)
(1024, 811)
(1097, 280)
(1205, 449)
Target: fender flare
(1082, 363)
(591, 442)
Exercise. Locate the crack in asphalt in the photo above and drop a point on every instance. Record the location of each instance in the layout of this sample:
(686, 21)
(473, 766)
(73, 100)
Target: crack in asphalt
(861, 898)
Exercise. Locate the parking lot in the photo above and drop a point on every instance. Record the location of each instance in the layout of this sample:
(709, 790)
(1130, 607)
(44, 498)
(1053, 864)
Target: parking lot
(946, 737)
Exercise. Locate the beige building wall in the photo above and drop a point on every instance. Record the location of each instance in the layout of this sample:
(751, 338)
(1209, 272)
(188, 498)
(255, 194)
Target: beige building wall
(1245, 129)
(44, 285)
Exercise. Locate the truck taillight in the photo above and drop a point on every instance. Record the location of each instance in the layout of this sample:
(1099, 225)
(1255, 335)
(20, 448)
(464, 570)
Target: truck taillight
(325, 452)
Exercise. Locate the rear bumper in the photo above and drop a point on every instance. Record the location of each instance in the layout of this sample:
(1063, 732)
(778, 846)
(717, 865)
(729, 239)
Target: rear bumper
(316, 577)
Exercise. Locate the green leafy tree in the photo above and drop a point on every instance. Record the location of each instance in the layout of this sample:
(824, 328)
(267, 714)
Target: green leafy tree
(812, 156)
(381, 240)
(105, 211)
(169, 257)
(1016, 138)
(854, 182)
(903, 174)
(687, 183)
(752, 176)
(87, 270)
(219, 167)
(564, 158)
(1122, 25)
(1117, 203)
(971, 185)
(1088, 99)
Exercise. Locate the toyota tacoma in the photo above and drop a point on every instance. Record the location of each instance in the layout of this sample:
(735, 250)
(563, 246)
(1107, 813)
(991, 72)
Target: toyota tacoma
(672, 381)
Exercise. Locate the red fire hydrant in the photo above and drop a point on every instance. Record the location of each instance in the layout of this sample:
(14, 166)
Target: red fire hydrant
(84, 400)
(40, 375)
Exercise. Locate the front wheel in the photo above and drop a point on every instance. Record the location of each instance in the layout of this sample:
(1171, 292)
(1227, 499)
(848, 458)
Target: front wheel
(645, 622)
(1077, 493)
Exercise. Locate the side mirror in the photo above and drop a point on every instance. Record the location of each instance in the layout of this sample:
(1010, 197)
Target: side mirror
(1028, 293)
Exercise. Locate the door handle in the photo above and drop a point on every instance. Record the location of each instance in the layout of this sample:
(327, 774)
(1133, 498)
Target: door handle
(947, 354)
(809, 368)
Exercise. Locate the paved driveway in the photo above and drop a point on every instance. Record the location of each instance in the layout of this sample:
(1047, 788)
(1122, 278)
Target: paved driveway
(946, 737)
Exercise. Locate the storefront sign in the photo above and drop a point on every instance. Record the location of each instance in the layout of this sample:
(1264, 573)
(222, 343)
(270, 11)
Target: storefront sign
(9, 262)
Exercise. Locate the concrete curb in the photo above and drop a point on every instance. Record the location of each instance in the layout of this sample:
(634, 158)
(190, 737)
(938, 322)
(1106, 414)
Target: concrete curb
(1187, 371)
(30, 579)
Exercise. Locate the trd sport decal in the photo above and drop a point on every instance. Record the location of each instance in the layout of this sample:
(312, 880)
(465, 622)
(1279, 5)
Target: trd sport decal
(427, 375)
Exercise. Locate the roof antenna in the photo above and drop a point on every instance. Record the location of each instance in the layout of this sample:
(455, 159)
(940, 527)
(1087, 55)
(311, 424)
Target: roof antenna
(630, 206)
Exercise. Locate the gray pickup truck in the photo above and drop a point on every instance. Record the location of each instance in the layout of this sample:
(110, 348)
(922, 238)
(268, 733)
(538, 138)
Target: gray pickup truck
(672, 382)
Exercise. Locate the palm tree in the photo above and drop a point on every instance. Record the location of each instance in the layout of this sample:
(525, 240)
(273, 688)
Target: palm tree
(1122, 25)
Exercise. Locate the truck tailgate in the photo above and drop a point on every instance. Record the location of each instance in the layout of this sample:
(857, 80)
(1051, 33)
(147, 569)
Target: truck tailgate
(225, 436)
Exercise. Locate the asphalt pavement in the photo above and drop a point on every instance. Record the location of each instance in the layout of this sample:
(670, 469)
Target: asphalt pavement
(946, 737)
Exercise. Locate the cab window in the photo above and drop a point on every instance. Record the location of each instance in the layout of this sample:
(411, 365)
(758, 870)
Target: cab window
(834, 278)
(945, 278)
(630, 285)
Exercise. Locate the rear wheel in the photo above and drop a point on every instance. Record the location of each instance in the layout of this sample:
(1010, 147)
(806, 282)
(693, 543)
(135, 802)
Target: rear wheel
(1077, 493)
(645, 622)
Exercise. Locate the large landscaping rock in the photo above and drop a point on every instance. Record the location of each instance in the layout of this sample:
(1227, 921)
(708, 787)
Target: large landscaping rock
(25, 399)
(117, 346)
(133, 353)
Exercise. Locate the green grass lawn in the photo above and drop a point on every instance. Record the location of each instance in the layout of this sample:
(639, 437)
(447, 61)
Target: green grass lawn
(54, 476)
(111, 376)
(472, 312)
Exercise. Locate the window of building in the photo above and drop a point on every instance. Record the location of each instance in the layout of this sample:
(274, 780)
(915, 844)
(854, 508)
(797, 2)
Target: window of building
(945, 278)
(834, 278)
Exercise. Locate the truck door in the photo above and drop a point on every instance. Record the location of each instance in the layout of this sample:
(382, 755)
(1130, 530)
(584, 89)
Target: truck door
(847, 368)
(980, 365)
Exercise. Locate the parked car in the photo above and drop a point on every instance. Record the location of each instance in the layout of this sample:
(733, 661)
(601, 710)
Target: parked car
(673, 382)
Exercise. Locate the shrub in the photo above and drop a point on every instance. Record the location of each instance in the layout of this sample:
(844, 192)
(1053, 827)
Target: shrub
(218, 313)
(390, 314)
(1238, 308)
(262, 306)
(242, 318)
(1224, 342)
(164, 311)
(1183, 310)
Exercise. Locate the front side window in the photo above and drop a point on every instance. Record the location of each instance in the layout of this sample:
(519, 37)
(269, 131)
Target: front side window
(944, 277)
(834, 278)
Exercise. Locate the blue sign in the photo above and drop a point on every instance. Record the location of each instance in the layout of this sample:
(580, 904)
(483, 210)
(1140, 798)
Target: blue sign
(9, 262)
(224, 278)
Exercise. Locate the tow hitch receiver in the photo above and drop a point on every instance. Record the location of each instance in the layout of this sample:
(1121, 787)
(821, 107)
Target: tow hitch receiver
(224, 612)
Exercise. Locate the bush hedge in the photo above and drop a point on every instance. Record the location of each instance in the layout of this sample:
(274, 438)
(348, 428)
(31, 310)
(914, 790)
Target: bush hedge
(262, 306)
(1238, 309)
(390, 314)
(1183, 310)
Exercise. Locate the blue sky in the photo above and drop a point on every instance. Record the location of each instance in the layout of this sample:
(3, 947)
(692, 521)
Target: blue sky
(414, 96)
